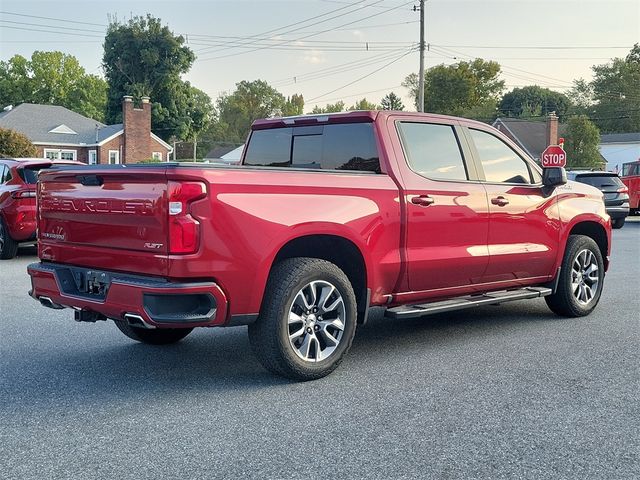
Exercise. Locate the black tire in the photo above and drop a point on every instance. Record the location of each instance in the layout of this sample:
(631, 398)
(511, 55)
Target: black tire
(269, 335)
(155, 336)
(564, 302)
(617, 223)
(8, 246)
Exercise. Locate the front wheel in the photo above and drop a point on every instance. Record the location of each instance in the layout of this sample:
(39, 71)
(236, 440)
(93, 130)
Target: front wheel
(581, 278)
(307, 320)
(154, 336)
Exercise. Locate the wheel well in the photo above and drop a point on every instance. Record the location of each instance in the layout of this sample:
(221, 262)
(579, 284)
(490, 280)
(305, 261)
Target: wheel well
(337, 250)
(596, 232)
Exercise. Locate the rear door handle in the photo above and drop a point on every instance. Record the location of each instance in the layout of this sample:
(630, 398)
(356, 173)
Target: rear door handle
(422, 200)
(500, 201)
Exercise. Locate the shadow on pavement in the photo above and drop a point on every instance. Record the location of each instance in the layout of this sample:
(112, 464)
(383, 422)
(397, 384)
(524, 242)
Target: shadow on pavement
(222, 360)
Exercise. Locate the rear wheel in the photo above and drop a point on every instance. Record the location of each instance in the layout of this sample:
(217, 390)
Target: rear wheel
(8, 246)
(307, 320)
(617, 223)
(154, 336)
(581, 278)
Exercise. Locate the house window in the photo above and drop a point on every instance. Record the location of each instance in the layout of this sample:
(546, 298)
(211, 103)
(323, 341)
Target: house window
(157, 156)
(52, 154)
(93, 157)
(114, 156)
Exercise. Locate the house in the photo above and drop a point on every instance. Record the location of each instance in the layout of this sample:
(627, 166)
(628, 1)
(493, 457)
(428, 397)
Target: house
(532, 136)
(59, 133)
(217, 154)
(619, 148)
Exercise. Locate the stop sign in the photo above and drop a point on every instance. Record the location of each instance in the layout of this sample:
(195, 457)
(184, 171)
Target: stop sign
(553, 156)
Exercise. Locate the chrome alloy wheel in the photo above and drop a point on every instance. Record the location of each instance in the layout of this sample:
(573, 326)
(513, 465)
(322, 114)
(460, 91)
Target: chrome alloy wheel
(585, 277)
(316, 321)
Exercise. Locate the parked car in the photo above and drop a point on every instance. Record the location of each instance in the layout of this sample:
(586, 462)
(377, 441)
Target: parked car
(18, 179)
(631, 178)
(616, 193)
(327, 216)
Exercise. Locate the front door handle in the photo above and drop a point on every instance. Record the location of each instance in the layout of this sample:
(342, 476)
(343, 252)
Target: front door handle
(500, 201)
(422, 200)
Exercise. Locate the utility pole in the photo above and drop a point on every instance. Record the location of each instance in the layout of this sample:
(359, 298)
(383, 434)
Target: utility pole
(422, 45)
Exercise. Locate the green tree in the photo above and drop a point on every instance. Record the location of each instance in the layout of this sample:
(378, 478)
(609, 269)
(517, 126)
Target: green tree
(533, 101)
(580, 96)
(391, 101)
(459, 88)
(581, 143)
(330, 108)
(237, 111)
(616, 93)
(363, 104)
(52, 78)
(15, 145)
(144, 58)
(294, 105)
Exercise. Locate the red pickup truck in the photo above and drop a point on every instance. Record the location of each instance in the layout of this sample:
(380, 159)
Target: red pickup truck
(326, 216)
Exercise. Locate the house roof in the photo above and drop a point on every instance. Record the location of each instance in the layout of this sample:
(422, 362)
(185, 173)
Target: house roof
(218, 152)
(51, 124)
(530, 135)
(620, 138)
(56, 125)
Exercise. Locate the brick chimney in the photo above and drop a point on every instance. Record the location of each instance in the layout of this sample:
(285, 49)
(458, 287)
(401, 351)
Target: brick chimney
(552, 129)
(136, 123)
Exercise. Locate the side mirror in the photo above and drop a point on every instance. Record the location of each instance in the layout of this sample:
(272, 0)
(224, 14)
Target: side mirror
(554, 176)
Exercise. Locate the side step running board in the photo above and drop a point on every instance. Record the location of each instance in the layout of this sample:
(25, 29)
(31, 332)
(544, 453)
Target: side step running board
(459, 303)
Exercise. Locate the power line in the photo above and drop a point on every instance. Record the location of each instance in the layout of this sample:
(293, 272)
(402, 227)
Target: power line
(308, 20)
(313, 34)
(52, 31)
(54, 19)
(50, 26)
(338, 69)
(327, 100)
(364, 76)
(530, 47)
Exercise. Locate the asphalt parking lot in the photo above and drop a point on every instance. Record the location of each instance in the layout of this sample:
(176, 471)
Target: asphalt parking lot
(498, 392)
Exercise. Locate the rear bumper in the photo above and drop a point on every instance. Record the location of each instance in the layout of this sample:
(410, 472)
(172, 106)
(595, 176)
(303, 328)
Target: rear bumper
(157, 302)
(618, 212)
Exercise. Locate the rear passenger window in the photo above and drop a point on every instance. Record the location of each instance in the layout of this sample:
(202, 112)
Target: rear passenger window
(500, 163)
(433, 151)
(269, 148)
(349, 146)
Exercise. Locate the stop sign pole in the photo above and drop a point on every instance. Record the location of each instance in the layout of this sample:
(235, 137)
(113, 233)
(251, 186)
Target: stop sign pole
(553, 156)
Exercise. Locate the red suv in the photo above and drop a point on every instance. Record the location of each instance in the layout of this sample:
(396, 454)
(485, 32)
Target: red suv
(18, 180)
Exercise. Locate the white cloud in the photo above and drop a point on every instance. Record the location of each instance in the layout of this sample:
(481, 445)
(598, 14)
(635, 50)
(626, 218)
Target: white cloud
(358, 34)
(314, 57)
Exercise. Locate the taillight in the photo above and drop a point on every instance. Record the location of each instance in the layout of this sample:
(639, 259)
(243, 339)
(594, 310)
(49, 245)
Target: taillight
(20, 194)
(623, 190)
(184, 230)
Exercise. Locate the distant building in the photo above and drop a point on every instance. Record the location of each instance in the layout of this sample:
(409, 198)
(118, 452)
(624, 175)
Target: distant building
(60, 133)
(620, 148)
(532, 136)
(228, 154)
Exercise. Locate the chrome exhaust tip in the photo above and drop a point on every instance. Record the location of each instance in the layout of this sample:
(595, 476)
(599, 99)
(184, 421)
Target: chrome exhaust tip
(135, 320)
(47, 302)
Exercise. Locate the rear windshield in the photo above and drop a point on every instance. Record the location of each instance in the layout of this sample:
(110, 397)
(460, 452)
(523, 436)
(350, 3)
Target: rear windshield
(600, 181)
(349, 146)
(30, 174)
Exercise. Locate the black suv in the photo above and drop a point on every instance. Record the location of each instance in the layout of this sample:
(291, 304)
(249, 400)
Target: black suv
(616, 194)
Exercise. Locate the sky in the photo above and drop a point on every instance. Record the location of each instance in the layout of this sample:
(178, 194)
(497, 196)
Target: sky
(332, 50)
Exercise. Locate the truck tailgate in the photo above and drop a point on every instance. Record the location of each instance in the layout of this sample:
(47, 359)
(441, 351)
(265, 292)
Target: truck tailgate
(85, 211)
